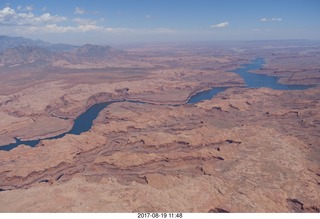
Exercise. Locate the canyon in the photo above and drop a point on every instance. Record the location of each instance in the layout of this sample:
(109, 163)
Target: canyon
(243, 150)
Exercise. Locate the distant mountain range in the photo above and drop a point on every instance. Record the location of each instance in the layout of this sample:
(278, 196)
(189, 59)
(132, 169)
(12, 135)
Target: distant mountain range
(24, 54)
(95, 51)
(11, 42)
(19, 50)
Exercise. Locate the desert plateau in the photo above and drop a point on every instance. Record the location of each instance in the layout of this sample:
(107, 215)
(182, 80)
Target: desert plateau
(161, 128)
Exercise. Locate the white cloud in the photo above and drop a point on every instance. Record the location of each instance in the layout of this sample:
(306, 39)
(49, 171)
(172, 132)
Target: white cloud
(54, 28)
(48, 18)
(84, 21)
(271, 19)
(29, 8)
(25, 22)
(6, 12)
(9, 16)
(79, 10)
(220, 25)
(118, 30)
(84, 28)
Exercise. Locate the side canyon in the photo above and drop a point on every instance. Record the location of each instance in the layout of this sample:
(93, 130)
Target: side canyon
(243, 150)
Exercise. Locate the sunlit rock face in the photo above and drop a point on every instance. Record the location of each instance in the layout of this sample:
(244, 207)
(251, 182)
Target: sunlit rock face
(244, 150)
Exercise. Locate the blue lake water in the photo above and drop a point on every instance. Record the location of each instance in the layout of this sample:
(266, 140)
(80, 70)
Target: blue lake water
(205, 95)
(252, 80)
(84, 122)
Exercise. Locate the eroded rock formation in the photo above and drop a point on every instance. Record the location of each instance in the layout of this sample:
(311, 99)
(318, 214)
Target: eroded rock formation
(251, 157)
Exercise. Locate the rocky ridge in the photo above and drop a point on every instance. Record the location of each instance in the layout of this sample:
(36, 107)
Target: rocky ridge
(246, 150)
(189, 158)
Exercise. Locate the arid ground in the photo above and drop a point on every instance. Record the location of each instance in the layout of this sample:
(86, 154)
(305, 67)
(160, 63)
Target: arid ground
(244, 150)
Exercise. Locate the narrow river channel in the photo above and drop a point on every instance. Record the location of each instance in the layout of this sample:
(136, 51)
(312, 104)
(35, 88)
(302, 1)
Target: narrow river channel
(84, 122)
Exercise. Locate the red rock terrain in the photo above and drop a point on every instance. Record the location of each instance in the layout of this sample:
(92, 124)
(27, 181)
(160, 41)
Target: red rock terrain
(245, 150)
(254, 154)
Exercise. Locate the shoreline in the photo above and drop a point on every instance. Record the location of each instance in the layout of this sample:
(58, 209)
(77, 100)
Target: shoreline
(83, 110)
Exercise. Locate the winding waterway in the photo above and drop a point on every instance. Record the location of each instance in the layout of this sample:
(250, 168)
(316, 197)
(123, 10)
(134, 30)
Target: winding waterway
(84, 122)
(252, 80)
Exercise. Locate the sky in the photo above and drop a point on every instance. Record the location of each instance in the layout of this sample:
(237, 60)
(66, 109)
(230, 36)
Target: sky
(138, 21)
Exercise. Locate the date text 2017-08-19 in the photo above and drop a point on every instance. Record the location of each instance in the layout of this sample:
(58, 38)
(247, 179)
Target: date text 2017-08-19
(160, 215)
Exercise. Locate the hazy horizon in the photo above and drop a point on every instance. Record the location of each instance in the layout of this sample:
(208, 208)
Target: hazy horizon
(126, 22)
(172, 42)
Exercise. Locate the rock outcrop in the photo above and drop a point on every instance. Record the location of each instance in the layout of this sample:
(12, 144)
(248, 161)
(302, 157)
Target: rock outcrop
(245, 150)
(257, 156)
